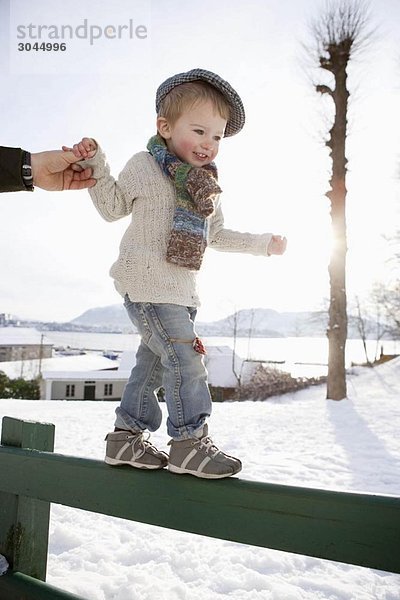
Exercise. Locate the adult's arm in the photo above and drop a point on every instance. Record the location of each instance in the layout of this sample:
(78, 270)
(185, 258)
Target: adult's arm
(52, 170)
(11, 170)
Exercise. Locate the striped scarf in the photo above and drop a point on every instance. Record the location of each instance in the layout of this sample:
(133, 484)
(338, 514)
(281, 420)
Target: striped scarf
(195, 190)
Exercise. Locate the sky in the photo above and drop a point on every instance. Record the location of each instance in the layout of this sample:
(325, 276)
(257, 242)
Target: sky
(56, 251)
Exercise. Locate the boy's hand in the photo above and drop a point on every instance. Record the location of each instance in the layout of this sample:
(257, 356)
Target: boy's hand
(277, 245)
(84, 149)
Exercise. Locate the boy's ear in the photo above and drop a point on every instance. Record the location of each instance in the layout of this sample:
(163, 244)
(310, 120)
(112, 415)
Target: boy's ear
(163, 128)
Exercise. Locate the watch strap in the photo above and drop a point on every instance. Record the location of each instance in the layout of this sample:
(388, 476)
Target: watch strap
(26, 171)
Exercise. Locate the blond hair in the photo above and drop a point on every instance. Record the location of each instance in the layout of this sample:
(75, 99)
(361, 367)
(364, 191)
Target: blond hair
(186, 95)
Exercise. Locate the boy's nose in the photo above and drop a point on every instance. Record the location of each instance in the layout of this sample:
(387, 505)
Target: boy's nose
(207, 144)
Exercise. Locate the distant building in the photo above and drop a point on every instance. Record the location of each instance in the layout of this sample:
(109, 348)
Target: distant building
(109, 384)
(87, 385)
(23, 343)
(223, 367)
(6, 319)
(96, 383)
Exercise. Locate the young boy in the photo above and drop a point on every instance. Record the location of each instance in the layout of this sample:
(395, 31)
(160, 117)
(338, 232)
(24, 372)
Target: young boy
(172, 194)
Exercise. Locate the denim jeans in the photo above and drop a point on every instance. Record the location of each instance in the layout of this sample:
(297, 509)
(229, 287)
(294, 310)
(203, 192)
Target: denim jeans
(166, 358)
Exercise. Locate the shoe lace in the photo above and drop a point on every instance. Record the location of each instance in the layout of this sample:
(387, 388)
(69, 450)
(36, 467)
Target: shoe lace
(207, 443)
(140, 444)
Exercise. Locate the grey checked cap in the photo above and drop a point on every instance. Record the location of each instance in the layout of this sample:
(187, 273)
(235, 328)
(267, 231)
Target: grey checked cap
(237, 116)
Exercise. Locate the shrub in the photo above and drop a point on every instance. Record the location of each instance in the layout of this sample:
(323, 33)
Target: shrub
(269, 381)
(19, 388)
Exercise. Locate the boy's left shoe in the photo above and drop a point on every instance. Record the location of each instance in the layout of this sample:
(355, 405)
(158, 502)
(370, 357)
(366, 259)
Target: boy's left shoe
(200, 457)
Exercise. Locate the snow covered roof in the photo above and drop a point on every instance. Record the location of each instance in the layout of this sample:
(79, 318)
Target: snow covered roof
(22, 336)
(218, 361)
(85, 375)
(29, 369)
(127, 361)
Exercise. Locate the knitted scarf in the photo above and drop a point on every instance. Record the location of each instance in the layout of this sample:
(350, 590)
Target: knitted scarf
(195, 190)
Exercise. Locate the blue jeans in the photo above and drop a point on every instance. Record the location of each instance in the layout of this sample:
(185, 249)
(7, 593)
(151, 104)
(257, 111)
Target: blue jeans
(166, 358)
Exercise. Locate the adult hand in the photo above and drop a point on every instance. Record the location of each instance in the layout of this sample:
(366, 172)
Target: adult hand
(55, 170)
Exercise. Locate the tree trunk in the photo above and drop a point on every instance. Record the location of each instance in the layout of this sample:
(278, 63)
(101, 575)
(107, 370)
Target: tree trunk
(339, 32)
(337, 328)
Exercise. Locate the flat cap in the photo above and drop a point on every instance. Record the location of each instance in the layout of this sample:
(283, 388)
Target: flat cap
(237, 115)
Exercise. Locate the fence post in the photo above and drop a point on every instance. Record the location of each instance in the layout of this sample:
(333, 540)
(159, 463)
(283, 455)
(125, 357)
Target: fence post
(24, 522)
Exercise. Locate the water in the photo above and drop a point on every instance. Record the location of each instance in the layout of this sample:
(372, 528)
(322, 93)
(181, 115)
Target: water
(301, 356)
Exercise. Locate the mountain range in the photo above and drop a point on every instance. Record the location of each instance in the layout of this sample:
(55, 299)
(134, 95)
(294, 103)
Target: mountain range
(257, 322)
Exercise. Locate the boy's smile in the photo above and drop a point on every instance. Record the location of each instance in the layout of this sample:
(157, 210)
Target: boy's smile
(194, 137)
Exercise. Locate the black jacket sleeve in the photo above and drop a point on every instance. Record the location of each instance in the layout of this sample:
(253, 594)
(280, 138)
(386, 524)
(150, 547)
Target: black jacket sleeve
(11, 170)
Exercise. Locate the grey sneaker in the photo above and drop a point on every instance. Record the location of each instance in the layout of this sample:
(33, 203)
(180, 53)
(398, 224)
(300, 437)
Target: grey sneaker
(128, 448)
(200, 457)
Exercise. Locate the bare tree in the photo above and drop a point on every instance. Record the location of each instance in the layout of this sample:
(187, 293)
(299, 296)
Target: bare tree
(381, 327)
(388, 297)
(363, 326)
(339, 33)
(235, 328)
(367, 319)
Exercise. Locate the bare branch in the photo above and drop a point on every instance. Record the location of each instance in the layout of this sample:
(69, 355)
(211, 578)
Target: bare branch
(324, 89)
(341, 30)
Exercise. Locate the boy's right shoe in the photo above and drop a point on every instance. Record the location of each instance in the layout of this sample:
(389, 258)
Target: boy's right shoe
(200, 457)
(128, 448)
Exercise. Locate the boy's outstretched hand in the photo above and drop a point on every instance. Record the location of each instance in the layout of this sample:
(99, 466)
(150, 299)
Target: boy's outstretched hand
(277, 245)
(84, 149)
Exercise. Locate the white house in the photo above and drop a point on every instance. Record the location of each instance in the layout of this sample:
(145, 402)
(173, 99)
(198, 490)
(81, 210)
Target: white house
(83, 385)
(109, 384)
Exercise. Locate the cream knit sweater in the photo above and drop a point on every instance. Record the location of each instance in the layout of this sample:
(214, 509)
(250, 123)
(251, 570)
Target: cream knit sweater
(141, 270)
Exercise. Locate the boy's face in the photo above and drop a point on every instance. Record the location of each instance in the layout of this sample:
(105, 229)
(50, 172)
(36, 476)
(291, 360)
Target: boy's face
(195, 135)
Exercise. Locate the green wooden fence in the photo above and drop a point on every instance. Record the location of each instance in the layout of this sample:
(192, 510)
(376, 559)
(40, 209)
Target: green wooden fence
(359, 529)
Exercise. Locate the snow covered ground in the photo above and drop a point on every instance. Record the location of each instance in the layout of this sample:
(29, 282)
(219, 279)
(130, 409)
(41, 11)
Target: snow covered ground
(299, 439)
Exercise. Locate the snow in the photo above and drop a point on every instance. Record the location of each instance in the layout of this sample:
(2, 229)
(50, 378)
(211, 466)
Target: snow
(296, 439)
(127, 360)
(218, 361)
(30, 368)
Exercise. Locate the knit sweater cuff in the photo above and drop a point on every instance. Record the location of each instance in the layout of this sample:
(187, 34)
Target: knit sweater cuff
(97, 163)
(227, 240)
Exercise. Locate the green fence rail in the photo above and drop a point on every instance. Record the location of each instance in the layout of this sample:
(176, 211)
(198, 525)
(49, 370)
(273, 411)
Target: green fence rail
(354, 528)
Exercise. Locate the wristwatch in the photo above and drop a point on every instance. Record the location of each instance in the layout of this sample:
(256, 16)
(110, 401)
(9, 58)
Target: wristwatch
(27, 176)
